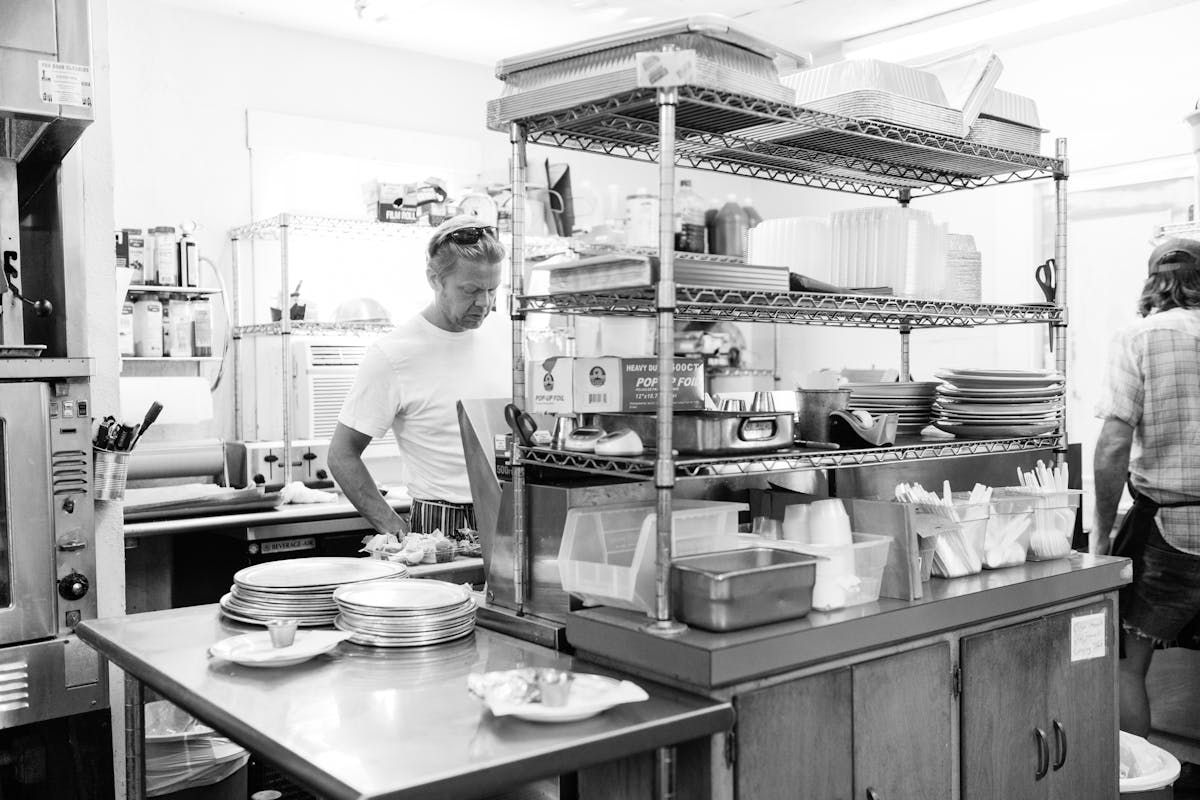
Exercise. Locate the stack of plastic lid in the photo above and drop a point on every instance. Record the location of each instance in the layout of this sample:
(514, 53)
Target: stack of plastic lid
(407, 613)
(964, 269)
(181, 753)
(299, 588)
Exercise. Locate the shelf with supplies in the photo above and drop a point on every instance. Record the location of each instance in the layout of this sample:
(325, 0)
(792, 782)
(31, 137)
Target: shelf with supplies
(1187, 230)
(168, 359)
(146, 288)
(907, 449)
(722, 131)
(310, 328)
(842, 310)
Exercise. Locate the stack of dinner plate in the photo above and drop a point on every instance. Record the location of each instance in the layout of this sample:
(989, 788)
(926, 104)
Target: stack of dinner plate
(912, 401)
(999, 403)
(410, 613)
(299, 588)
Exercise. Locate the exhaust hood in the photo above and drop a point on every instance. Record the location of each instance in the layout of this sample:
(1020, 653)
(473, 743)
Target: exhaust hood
(45, 84)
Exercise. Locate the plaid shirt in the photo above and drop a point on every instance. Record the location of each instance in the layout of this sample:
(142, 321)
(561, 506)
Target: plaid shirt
(1153, 384)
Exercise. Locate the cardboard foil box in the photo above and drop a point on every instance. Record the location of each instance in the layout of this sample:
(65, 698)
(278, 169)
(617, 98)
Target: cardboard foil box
(608, 383)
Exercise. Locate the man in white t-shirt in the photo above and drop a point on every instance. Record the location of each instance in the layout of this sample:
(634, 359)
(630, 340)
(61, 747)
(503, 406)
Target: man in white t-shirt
(411, 380)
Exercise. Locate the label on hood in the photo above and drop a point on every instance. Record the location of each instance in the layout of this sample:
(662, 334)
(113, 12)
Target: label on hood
(65, 84)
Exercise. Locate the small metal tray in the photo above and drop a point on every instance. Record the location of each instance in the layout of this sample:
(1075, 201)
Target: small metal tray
(21, 350)
(710, 432)
(738, 589)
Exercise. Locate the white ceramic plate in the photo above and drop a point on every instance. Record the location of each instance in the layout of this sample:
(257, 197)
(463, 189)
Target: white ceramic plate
(995, 431)
(313, 573)
(406, 594)
(1005, 373)
(256, 650)
(972, 382)
(1006, 395)
(589, 695)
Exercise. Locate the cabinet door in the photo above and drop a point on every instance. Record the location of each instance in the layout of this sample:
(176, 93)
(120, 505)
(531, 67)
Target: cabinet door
(1083, 702)
(794, 740)
(1004, 699)
(902, 715)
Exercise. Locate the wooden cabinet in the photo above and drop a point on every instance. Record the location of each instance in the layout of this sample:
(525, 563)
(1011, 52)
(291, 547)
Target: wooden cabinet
(1039, 709)
(903, 706)
(879, 729)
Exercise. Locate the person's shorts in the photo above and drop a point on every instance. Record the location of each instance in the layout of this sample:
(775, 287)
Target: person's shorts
(1165, 594)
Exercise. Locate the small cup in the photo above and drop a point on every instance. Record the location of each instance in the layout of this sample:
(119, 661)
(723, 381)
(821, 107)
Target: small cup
(283, 632)
(555, 686)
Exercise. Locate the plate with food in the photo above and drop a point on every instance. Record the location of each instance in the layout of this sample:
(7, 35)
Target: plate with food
(540, 694)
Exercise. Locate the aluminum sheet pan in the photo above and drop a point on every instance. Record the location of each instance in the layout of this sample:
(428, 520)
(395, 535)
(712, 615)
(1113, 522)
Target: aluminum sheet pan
(820, 83)
(998, 133)
(713, 27)
(892, 108)
(1010, 107)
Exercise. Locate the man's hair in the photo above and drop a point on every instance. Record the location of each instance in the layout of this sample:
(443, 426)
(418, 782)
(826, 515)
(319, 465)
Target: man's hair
(449, 253)
(1179, 288)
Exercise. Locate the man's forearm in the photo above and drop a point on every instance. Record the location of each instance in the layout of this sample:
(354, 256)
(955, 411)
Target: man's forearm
(1111, 469)
(359, 487)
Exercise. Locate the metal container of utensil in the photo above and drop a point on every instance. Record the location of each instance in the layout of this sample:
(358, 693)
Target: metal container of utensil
(738, 589)
(711, 432)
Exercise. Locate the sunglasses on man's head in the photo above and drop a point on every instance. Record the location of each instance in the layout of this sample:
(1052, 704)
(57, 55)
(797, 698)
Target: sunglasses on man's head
(464, 236)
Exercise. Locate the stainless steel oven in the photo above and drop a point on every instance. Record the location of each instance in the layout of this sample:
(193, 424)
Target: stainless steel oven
(47, 542)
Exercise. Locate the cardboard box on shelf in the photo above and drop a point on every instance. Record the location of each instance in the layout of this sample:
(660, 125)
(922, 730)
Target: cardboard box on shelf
(568, 385)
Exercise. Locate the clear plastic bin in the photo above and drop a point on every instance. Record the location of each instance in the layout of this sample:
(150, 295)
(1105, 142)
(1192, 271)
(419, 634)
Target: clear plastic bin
(961, 534)
(1053, 527)
(607, 552)
(855, 570)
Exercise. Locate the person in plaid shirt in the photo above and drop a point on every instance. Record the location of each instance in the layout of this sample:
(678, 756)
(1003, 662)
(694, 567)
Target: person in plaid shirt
(1150, 405)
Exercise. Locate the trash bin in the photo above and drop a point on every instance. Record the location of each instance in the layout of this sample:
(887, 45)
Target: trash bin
(1147, 772)
(186, 760)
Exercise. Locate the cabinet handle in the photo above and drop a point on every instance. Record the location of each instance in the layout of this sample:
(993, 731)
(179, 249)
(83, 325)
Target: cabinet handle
(1060, 745)
(873, 795)
(1043, 754)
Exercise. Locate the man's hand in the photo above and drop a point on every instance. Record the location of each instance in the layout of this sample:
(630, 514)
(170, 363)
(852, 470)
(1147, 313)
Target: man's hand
(1111, 469)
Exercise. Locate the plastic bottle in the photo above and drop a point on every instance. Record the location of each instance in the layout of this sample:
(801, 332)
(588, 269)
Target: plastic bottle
(202, 327)
(710, 223)
(641, 218)
(147, 328)
(752, 214)
(731, 227)
(689, 219)
(125, 329)
(181, 328)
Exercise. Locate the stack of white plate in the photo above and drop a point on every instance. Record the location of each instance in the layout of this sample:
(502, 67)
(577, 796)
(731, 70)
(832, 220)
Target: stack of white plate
(912, 401)
(999, 403)
(299, 588)
(411, 613)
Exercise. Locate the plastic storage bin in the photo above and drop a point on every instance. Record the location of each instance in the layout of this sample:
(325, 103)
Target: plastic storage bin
(960, 531)
(607, 552)
(848, 575)
(1147, 772)
(1053, 527)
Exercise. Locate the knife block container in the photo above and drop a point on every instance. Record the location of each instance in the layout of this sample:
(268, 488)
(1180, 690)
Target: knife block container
(607, 553)
(109, 470)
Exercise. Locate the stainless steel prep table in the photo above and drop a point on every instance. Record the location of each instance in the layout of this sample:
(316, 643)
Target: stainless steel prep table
(373, 723)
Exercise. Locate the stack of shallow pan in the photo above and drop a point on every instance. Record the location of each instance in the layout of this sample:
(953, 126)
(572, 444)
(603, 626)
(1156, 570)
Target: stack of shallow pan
(912, 401)
(409, 613)
(299, 588)
(996, 404)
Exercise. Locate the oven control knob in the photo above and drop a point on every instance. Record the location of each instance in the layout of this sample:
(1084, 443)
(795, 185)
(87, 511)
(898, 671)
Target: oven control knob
(73, 586)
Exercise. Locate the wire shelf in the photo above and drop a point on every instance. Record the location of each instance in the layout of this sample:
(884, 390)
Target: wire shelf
(741, 135)
(149, 288)
(783, 461)
(311, 328)
(852, 311)
(1189, 230)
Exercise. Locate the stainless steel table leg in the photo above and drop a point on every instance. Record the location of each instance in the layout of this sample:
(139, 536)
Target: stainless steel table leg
(135, 724)
(664, 762)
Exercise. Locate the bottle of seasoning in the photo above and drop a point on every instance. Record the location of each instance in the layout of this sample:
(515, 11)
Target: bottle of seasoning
(125, 329)
(202, 327)
(710, 224)
(167, 350)
(181, 328)
(166, 256)
(147, 328)
(134, 245)
(689, 219)
(641, 219)
(732, 225)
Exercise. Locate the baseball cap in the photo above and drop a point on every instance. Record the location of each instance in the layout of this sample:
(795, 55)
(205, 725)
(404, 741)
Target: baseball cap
(1174, 254)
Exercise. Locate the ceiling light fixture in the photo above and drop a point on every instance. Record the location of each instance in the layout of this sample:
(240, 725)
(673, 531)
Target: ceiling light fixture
(965, 27)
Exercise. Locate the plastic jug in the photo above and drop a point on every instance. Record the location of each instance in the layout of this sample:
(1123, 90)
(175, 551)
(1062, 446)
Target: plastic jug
(732, 226)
